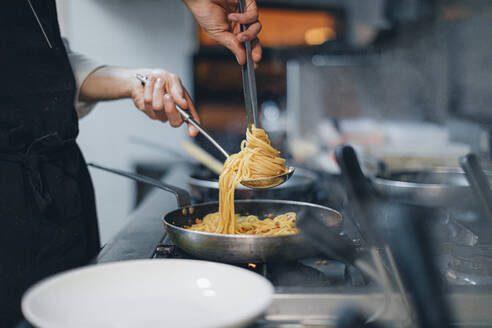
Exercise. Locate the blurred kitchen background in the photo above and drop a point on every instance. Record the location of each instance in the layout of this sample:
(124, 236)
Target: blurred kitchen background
(408, 81)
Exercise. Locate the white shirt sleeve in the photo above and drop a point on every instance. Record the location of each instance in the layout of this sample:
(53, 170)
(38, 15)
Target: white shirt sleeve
(82, 67)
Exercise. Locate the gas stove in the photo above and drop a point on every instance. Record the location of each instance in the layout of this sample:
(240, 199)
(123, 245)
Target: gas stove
(300, 286)
(316, 272)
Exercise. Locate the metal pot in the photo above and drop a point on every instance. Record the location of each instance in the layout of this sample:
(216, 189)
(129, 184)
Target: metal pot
(441, 187)
(446, 189)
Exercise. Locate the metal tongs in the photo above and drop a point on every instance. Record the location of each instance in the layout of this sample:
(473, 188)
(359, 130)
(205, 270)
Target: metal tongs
(249, 79)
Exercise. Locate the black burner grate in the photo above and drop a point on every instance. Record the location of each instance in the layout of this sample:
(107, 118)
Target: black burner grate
(312, 272)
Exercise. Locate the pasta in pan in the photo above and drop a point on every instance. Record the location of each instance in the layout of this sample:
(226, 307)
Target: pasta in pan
(257, 159)
(250, 225)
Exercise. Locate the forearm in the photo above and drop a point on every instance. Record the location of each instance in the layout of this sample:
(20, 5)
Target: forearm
(109, 83)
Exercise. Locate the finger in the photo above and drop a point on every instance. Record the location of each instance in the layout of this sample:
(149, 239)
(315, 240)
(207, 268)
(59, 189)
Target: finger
(192, 108)
(148, 93)
(230, 41)
(150, 113)
(251, 33)
(172, 114)
(158, 96)
(177, 92)
(192, 131)
(256, 51)
(160, 115)
(249, 16)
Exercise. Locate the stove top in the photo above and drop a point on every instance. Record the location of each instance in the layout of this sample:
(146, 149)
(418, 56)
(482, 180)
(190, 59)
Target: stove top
(316, 272)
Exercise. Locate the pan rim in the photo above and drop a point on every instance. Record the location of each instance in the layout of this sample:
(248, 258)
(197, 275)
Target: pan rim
(388, 182)
(169, 225)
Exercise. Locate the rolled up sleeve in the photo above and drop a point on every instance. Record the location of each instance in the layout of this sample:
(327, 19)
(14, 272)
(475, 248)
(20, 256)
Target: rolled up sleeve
(82, 67)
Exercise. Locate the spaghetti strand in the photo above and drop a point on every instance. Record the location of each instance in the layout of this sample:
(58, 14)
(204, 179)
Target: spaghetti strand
(257, 159)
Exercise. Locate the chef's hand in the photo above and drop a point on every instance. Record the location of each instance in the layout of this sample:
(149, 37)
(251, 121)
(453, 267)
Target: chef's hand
(221, 21)
(159, 97)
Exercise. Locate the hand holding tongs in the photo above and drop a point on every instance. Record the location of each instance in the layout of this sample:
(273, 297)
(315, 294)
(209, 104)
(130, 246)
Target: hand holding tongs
(188, 119)
(249, 79)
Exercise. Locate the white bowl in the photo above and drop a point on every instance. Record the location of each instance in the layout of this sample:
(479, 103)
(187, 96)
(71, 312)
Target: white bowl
(148, 293)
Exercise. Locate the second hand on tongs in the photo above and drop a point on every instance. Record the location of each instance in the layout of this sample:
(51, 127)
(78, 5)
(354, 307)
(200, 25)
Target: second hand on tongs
(249, 79)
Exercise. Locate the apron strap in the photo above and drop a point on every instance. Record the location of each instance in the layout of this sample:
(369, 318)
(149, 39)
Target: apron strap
(40, 150)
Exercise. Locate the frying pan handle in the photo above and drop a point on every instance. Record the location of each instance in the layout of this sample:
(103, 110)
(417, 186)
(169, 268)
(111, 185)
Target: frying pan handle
(182, 195)
(357, 183)
(478, 182)
(359, 190)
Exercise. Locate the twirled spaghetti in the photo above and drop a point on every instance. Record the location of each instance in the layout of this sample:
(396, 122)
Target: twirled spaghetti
(257, 159)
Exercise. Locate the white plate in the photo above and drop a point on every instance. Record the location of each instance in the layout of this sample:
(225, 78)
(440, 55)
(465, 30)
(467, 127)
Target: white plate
(148, 293)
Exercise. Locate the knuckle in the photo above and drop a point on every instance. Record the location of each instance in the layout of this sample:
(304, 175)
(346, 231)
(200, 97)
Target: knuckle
(164, 74)
(175, 78)
(155, 73)
(168, 100)
(152, 78)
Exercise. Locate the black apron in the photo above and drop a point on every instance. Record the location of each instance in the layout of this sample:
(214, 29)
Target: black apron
(47, 211)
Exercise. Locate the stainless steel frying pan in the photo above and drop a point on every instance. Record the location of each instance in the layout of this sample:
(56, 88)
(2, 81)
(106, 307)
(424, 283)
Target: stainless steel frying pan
(237, 248)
